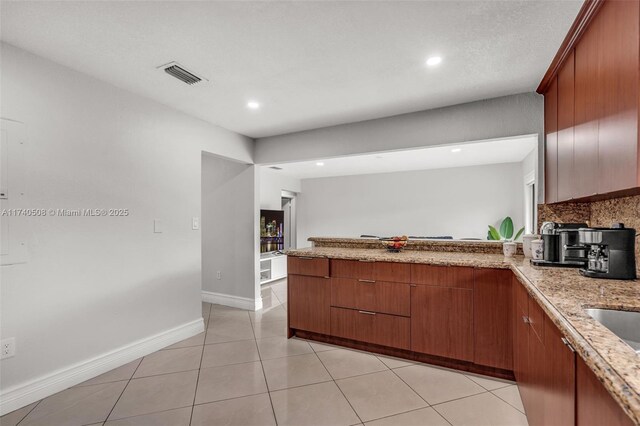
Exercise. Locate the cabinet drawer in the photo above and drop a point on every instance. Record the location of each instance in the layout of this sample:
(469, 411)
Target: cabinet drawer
(371, 295)
(370, 327)
(442, 276)
(352, 269)
(312, 266)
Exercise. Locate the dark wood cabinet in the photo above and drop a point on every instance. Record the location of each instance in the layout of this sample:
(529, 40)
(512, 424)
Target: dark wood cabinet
(594, 405)
(544, 364)
(592, 93)
(587, 111)
(565, 129)
(370, 295)
(311, 266)
(618, 84)
(551, 143)
(560, 384)
(371, 327)
(493, 313)
(442, 276)
(309, 300)
(442, 321)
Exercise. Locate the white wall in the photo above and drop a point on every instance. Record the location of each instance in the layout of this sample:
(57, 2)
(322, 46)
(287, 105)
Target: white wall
(459, 201)
(95, 284)
(272, 183)
(229, 237)
(506, 116)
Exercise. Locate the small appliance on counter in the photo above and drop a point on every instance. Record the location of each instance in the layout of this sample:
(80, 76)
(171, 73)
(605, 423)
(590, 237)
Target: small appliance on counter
(561, 246)
(610, 252)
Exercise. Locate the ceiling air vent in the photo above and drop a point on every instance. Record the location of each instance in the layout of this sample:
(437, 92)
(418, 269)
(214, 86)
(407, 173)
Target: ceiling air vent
(275, 168)
(181, 73)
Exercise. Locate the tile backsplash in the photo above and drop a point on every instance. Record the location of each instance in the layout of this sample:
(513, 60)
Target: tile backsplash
(596, 213)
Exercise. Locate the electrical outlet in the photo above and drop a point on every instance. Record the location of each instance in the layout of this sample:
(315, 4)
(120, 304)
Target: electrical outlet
(219, 275)
(8, 348)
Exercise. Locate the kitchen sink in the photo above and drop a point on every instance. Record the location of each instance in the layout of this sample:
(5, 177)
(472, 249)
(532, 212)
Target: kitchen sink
(624, 324)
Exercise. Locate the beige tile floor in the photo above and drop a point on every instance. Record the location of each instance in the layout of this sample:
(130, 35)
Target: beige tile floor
(244, 371)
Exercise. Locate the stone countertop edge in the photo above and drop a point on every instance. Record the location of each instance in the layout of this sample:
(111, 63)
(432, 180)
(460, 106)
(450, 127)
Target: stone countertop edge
(616, 365)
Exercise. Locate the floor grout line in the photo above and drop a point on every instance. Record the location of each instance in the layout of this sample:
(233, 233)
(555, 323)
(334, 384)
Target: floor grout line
(30, 411)
(264, 374)
(339, 388)
(123, 389)
(195, 391)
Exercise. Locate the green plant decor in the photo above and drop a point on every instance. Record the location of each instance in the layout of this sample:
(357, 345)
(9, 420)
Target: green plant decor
(505, 232)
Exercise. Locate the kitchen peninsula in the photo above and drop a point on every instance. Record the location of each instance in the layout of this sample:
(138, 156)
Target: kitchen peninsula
(472, 309)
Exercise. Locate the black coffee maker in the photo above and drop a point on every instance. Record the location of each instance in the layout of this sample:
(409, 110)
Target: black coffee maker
(561, 246)
(611, 252)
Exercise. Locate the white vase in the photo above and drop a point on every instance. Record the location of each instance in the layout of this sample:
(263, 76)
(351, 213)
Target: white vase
(509, 248)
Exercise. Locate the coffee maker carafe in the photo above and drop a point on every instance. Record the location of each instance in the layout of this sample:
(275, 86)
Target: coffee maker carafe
(610, 252)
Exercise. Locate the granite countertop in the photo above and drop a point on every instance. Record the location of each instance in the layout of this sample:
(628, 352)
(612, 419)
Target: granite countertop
(563, 293)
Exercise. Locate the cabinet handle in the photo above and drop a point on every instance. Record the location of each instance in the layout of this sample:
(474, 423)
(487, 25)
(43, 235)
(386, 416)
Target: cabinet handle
(526, 320)
(412, 285)
(305, 258)
(367, 312)
(567, 344)
(366, 261)
(367, 281)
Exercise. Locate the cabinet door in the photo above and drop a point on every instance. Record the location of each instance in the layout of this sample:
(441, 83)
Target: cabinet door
(565, 129)
(618, 126)
(521, 332)
(442, 321)
(493, 324)
(587, 112)
(561, 380)
(537, 377)
(309, 303)
(594, 405)
(551, 143)
(371, 327)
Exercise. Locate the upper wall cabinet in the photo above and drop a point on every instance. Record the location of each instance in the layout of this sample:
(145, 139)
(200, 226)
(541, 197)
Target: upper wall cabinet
(591, 105)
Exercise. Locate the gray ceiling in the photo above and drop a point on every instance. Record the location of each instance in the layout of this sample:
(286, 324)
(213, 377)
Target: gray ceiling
(310, 63)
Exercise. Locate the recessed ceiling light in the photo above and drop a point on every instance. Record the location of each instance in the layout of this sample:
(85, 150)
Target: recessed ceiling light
(434, 60)
(456, 150)
(253, 105)
(319, 163)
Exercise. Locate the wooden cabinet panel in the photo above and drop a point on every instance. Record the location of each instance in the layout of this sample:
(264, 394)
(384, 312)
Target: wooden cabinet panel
(309, 303)
(312, 266)
(343, 292)
(537, 415)
(560, 383)
(587, 112)
(521, 350)
(443, 276)
(565, 129)
(352, 269)
(384, 297)
(442, 321)
(370, 327)
(536, 319)
(618, 89)
(369, 295)
(493, 323)
(594, 404)
(391, 271)
(551, 143)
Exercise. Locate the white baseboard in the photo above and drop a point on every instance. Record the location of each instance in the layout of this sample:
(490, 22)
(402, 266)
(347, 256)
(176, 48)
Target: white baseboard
(24, 394)
(232, 301)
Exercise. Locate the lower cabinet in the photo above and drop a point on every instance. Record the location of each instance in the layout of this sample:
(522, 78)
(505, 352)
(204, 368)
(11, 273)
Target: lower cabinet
(594, 405)
(309, 303)
(442, 321)
(371, 327)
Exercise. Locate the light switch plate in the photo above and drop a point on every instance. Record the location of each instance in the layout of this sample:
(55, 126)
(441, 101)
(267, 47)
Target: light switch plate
(195, 223)
(158, 227)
